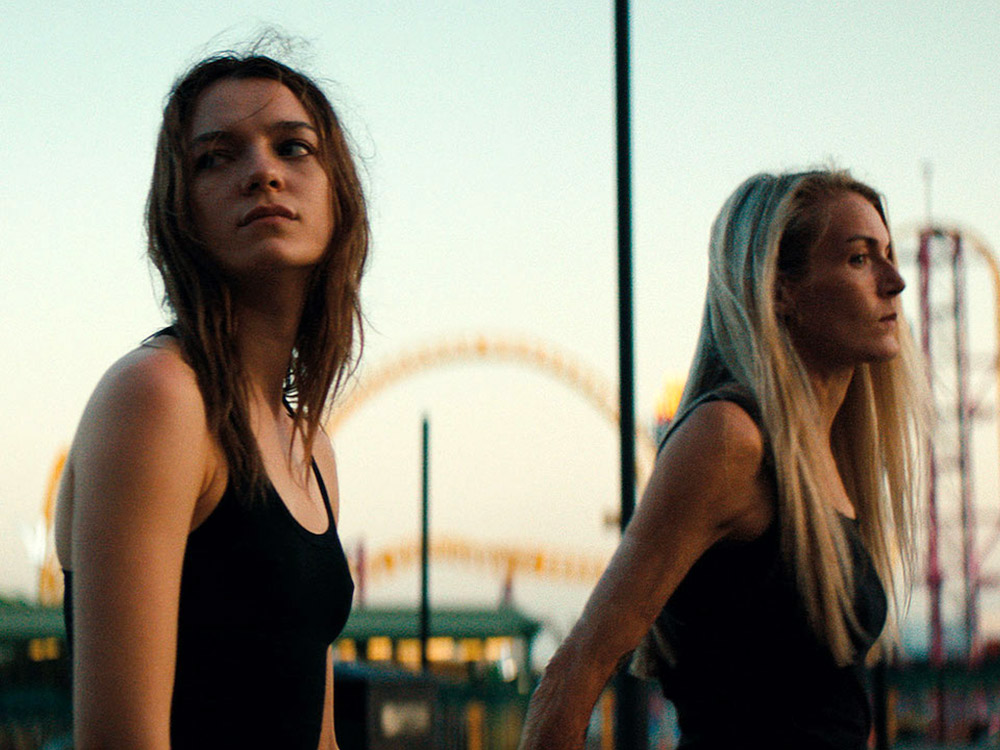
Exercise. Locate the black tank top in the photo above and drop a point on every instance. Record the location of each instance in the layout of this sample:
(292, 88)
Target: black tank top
(748, 671)
(261, 600)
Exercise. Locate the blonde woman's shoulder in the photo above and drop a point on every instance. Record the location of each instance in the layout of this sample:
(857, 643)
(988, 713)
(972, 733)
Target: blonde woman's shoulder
(717, 456)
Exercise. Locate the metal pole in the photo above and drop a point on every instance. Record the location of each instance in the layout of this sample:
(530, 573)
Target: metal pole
(626, 404)
(934, 573)
(880, 707)
(970, 574)
(425, 607)
(630, 710)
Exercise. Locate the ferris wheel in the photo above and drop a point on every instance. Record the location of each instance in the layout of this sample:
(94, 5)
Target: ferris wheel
(571, 372)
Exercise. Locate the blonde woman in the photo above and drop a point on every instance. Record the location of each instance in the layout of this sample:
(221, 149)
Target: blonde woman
(753, 575)
(205, 580)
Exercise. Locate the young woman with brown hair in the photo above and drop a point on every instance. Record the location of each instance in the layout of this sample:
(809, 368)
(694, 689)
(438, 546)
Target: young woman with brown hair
(205, 580)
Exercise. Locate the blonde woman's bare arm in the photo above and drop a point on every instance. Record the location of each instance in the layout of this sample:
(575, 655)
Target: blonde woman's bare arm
(140, 463)
(707, 485)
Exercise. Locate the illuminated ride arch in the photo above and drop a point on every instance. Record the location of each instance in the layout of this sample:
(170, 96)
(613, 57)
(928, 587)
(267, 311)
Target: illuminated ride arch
(50, 584)
(583, 380)
(508, 560)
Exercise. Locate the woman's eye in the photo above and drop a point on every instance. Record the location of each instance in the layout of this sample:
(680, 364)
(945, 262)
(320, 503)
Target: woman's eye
(859, 259)
(208, 160)
(295, 148)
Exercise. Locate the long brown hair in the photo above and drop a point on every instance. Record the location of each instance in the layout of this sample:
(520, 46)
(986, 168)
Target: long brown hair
(329, 336)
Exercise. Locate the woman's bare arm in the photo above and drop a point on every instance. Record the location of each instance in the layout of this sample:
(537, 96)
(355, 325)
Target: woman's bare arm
(327, 463)
(328, 736)
(706, 485)
(140, 461)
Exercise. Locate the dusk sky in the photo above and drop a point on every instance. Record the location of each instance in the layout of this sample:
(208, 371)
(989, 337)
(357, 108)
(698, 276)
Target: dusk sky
(486, 136)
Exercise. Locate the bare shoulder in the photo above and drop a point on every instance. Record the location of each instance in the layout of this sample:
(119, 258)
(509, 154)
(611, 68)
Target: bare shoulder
(148, 397)
(149, 390)
(144, 428)
(142, 461)
(150, 378)
(724, 429)
(714, 465)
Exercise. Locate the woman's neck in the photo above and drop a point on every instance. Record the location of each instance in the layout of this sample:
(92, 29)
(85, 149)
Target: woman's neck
(830, 388)
(267, 323)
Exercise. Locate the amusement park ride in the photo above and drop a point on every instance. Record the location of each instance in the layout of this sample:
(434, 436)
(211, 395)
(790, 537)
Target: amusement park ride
(944, 340)
(508, 560)
(942, 257)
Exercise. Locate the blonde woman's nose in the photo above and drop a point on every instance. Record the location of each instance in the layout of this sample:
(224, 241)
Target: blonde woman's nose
(892, 282)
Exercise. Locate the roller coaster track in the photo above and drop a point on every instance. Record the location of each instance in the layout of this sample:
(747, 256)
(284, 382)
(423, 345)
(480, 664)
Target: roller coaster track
(506, 559)
(565, 369)
(583, 380)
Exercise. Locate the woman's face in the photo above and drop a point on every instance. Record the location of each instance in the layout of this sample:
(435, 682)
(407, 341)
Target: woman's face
(259, 194)
(845, 309)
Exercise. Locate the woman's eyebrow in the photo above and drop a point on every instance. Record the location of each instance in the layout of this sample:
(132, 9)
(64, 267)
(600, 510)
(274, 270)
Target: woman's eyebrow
(208, 136)
(871, 242)
(866, 238)
(283, 125)
(292, 125)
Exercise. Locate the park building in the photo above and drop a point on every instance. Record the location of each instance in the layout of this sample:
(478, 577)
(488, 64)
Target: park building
(472, 696)
(464, 643)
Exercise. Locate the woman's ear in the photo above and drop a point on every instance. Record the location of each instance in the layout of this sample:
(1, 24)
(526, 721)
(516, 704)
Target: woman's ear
(785, 297)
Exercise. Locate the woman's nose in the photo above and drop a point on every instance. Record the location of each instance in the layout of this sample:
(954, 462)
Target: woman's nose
(263, 174)
(892, 282)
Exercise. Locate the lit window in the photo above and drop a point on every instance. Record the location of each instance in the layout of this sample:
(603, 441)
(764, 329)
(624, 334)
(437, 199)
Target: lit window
(405, 719)
(347, 650)
(470, 649)
(379, 649)
(43, 649)
(497, 648)
(408, 652)
(440, 649)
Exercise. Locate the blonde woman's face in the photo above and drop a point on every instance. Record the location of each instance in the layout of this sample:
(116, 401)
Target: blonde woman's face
(259, 194)
(845, 309)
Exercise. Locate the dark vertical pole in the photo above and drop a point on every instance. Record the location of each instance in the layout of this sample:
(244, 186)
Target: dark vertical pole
(625, 374)
(970, 572)
(880, 703)
(425, 605)
(630, 710)
(935, 576)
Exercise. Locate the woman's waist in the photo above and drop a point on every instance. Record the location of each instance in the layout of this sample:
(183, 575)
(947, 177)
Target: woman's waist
(778, 708)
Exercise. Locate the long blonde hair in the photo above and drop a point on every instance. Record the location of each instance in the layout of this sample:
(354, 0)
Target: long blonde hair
(766, 230)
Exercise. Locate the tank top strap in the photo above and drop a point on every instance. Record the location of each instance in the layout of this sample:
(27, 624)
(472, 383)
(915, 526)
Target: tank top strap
(323, 492)
(731, 391)
(739, 395)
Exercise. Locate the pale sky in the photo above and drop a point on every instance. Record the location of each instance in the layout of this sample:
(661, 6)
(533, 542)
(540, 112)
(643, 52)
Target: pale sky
(486, 135)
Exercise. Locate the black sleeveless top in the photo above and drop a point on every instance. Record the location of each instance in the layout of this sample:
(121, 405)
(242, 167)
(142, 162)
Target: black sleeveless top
(261, 600)
(748, 671)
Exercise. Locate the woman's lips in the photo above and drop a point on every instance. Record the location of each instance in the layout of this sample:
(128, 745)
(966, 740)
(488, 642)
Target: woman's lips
(265, 211)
